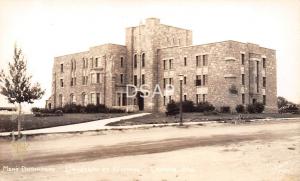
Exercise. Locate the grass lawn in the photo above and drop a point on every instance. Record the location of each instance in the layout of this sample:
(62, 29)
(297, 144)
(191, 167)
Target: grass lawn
(29, 121)
(161, 118)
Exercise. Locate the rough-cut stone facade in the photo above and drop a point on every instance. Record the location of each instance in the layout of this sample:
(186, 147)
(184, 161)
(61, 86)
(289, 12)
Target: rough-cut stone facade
(227, 73)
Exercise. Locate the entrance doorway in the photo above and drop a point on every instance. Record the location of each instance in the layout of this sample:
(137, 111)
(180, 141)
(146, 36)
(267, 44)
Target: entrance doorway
(140, 100)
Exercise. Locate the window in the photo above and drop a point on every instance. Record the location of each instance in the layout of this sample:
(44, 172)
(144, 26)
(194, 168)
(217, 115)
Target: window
(184, 98)
(84, 80)
(93, 98)
(198, 61)
(264, 82)
(135, 80)
(61, 68)
(171, 81)
(204, 60)
(264, 99)
(84, 99)
(60, 100)
(135, 61)
(73, 81)
(122, 62)
(243, 58)
(184, 80)
(124, 99)
(198, 80)
(121, 78)
(143, 79)
(204, 80)
(164, 100)
(61, 82)
(243, 79)
(264, 62)
(165, 82)
(243, 98)
(98, 77)
(198, 98)
(143, 60)
(184, 59)
(96, 62)
(97, 98)
(72, 99)
(203, 97)
(165, 67)
(171, 64)
(73, 65)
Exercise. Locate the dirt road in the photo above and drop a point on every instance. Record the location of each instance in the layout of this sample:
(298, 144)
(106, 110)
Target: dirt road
(261, 151)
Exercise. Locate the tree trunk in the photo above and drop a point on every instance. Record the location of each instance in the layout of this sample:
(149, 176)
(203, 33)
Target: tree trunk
(19, 121)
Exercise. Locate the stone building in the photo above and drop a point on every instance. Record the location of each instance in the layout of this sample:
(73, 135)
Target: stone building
(225, 73)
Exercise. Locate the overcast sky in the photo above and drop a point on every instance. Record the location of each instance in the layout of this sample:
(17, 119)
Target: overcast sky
(45, 29)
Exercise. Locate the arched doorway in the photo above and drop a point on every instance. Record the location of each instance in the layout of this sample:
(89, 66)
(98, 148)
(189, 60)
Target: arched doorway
(140, 100)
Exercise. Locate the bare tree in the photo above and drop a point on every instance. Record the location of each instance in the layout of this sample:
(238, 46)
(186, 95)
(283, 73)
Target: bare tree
(16, 85)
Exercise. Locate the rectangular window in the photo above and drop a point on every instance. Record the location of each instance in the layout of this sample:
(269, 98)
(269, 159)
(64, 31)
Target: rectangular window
(124, 99)
(96, 62)
(165, 82)
(264, 82)
(164, 100)
(184, 59)
(121, 78)
(243, 58)
(135, 80)
(72, 81)
(98, 98)
(264, 99)
(198, 80)
(243, 79)
(198, 61)
(198, 98)
(184, 98)
(122, 62)
(184, 80)
(93, 98)
(143, 79)
(204, 97)
(264, 62)
(165, 67)
(205, 58)
(98, 77)
(61, 68)
(170, 64)
(204, 80)
(171, 81)
(243, 98)
(61, 82)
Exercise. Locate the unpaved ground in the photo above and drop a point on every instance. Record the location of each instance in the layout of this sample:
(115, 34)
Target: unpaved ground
(216, 152)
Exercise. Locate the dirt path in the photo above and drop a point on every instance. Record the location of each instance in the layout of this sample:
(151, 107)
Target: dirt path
(132, 146)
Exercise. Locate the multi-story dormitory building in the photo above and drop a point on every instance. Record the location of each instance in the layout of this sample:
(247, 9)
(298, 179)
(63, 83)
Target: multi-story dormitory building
(225, 73)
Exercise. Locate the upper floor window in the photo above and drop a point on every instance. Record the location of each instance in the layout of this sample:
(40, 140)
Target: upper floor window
(135, 61)
(122, 62)
(171, 64)
(165, 64)
(98, 77)
(135, 80)
(204, 79)
(96, 62)
(204, 60)
(198, 61)
(84, 63)
(184, 61)
(61, 82)
(243, 79)
(143, 79)
(264, 81)
(143, 60)
(198, 80)
(73, 65)
(61, 68)
(184, 80)
(264, 62)
(243, 59)
(73, 81)
(121, 78)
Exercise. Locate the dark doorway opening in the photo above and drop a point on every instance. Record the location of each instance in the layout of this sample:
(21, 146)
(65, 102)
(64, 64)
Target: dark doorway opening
(140, 100)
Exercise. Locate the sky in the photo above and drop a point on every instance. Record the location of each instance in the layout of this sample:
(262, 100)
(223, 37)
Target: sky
(48, 28)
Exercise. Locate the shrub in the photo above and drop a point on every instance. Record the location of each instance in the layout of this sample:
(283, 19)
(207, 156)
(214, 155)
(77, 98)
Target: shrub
(35, 109)
(172, 108)
(204, 107)
(114, 110)
(225, 109)
(289, 109)
(187, 106)
(255, 108)
(240, 108)
(70, 108)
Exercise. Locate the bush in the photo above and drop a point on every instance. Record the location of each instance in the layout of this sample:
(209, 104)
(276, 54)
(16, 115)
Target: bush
(225, 109)
(204, 107)
(240, 108)
(255, 108)
(172, 108)
(70, 108)
(289, 109)
(187, 106)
